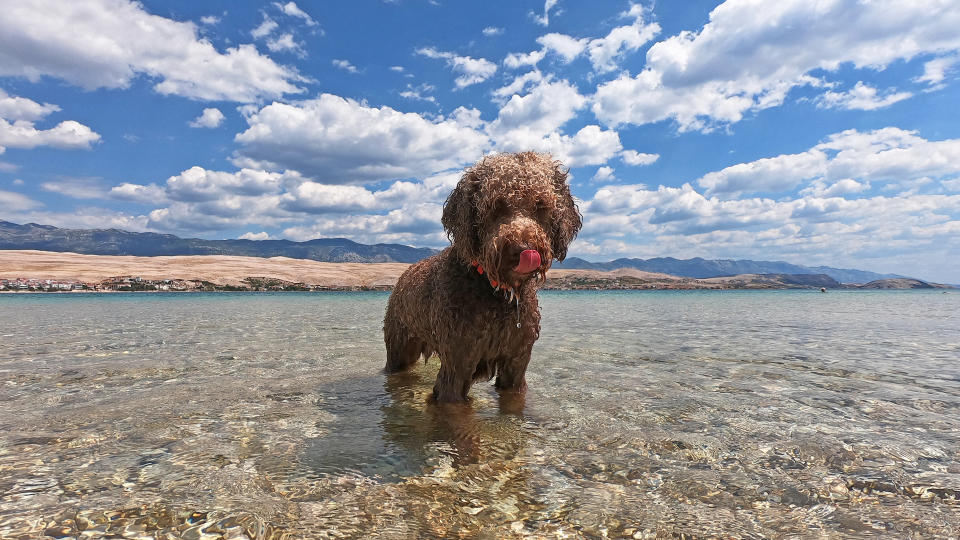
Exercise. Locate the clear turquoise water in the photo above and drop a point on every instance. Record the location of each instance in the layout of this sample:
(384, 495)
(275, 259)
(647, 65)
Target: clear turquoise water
(750, 414)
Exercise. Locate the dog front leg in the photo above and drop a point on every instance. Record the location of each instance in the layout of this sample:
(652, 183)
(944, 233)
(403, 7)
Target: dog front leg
(455, 377)
(511, 375)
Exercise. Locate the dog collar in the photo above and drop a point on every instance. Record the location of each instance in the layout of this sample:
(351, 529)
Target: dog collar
(508, 293)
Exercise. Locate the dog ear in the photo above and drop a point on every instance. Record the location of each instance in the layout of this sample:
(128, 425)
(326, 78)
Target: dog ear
(460, 217)
(567, 221)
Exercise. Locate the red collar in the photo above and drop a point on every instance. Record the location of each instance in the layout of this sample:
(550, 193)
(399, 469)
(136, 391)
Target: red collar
(493, 283)
(508, 293)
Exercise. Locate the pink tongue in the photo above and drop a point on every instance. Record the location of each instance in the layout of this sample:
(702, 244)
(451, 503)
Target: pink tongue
(529, 261)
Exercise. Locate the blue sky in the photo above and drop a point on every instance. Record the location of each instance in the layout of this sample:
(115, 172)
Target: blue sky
(811, 132)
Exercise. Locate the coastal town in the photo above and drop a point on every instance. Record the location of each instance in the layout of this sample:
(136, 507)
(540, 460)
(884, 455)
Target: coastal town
(118, 283)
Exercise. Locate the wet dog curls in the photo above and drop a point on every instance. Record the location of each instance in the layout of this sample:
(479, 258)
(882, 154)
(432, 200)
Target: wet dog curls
(475, 303)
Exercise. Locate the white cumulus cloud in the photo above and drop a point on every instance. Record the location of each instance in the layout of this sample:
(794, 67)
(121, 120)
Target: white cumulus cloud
(75, 187)
(345, 65)
(319, 198)
(419, 93)
(690, 79)
(883, 155)
(68, 135)
(534, 121)
(337, 140)
(565, 46)
(604, 53)
(935, 71)
(603, 174)
(106, 43)
(517, 60)
(545, 109)
(199, 184)
(151, 194)
(544, 20)
(198, 199)
(18, 129)
(285, 42)
(210, 118)
(19, 108)
(471, 70)
(861, 97)
(292, 9)
(418, 224)
(591, 145)
(634, 158)
(265, 28)
(846, 186)
(519, 84)
(11, 201)
(836, 218)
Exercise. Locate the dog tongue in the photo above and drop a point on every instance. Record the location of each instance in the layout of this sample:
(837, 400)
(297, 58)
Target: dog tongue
(529, 261)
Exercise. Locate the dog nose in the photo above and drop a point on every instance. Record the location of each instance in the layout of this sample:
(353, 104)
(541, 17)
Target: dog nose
(529, 261)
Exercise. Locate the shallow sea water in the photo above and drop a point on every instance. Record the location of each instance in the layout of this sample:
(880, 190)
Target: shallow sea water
(650, 414)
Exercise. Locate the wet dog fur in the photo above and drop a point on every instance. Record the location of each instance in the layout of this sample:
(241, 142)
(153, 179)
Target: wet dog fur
(468, 303)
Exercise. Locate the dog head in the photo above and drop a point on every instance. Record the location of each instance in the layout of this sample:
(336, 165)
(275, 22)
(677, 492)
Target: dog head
(512, 214)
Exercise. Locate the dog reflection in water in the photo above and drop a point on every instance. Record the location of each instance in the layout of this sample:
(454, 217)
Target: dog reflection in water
(391, 429)
(413, 423)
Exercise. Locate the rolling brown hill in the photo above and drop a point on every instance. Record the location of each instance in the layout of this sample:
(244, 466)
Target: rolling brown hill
(228, 270)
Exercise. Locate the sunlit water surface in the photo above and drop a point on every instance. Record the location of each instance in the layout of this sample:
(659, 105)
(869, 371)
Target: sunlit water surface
(649, 414)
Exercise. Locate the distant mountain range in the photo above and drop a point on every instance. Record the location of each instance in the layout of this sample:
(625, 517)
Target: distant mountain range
(705, 268)
(117, 242)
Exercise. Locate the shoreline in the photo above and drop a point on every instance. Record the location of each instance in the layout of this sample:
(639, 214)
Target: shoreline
(365, 291)
(72, 272)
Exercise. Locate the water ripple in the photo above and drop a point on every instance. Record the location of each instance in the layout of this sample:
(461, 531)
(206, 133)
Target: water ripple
(650, 414)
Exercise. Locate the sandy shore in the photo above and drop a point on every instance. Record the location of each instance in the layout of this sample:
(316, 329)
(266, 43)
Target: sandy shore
(232, 270)
(228, 270)
(219, 269)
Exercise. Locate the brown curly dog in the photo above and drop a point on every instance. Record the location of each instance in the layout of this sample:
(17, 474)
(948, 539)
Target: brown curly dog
(475, 303)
